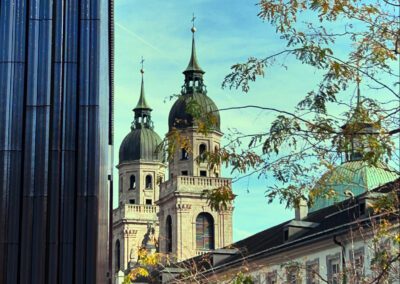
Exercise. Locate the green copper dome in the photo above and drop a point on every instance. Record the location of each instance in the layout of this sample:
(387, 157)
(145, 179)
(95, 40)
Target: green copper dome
(355, 176)
(180, 118)
(140, 144)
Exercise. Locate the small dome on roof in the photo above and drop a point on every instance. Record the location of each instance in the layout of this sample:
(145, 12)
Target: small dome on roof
(140, 144)
(179, 118)
(355, 176)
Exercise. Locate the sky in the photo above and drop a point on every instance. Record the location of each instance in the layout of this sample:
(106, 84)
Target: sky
(228, 32)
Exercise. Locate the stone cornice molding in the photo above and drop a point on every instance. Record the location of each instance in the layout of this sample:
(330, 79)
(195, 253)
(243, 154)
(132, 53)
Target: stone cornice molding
(183, 207)
(130, 233)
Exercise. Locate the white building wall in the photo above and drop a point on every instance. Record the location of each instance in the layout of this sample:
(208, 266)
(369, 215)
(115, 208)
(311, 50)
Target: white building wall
(315, 251)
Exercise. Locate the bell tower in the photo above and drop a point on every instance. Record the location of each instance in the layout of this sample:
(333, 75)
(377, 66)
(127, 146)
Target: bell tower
(357, 130)
(141, 169)
(188, 226)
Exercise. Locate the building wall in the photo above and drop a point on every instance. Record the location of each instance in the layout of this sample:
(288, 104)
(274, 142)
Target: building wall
(181, 197)
(55, 131)
(131, 235)
(140, 170)
(131, 222)
(195, 139)
(320, 251)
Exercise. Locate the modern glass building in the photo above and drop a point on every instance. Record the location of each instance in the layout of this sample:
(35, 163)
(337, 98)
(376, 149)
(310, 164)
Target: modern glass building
(56, 98)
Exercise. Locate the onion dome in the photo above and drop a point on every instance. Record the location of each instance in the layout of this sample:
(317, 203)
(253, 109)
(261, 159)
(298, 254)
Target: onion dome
(194, 96)
(356, 177)
(179, 117)
(142, 142)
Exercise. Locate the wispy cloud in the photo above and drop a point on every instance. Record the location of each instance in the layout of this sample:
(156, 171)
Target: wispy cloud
(147, 43)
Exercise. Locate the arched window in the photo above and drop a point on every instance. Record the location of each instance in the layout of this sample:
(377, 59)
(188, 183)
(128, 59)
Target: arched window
(204, 231)
(132, 183)
(149, 181)
(169, 233)
(202, 149)
(117, 256)
(184, 154)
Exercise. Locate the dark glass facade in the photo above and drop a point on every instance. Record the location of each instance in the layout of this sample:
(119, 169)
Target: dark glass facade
(55, 140)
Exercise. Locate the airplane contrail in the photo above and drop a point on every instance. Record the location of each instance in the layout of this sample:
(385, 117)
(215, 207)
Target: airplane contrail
(145, 42)
(157, 50)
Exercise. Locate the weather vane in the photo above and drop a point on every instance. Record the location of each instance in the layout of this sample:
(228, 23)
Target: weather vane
(141, 62)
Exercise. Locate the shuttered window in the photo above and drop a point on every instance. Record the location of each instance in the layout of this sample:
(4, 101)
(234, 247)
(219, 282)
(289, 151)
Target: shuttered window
(204, 232)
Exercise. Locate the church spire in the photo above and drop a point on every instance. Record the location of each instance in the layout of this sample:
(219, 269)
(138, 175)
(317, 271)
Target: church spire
(142, 110)
(193, 65)
(142, 104)
(193, 72)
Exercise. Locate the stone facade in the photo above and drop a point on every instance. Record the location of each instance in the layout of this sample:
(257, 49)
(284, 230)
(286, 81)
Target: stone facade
(135, 221)
(176, 208)
(181, 165)
(181, 198)
(142, 192)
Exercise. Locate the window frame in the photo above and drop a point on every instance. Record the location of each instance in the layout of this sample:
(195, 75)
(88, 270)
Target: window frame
(271, 277)
(168, 235)
(147, 183)
(184, 155)
(132, 185)
(329, 264)
(202, 151)
(354, 255)
(117, 255)
(311, 273)
(205, 231)
(293, 271)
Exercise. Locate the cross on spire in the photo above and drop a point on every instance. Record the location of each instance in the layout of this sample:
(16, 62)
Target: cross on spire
(193, 18)
(141, 62)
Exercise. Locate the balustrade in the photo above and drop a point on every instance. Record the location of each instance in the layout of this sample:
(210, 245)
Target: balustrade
(190, 183)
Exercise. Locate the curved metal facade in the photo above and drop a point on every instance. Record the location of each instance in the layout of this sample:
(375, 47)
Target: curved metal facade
(55, 101)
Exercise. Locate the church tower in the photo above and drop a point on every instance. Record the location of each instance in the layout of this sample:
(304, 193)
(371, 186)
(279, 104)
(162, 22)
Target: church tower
(188, 226)
(141, 169)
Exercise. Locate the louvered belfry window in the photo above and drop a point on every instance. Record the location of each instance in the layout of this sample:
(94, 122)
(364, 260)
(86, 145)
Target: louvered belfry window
(204, 231)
